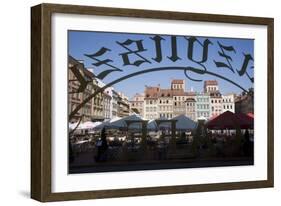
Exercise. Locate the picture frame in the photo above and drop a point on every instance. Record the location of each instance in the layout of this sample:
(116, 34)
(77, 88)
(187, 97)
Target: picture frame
(41, 101)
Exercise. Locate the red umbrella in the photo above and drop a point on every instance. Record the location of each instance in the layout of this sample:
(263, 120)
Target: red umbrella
(213, 117)
(229, 120)
(247, 122)
(250, 114)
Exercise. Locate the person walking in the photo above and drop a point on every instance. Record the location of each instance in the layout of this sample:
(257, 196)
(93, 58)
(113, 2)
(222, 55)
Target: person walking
(102, 147)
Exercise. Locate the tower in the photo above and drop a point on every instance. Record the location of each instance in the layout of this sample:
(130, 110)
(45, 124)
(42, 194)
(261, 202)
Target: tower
(178, 84)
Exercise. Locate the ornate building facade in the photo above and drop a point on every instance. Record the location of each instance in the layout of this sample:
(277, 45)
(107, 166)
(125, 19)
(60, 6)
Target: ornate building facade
(81, 84)
(167, 103)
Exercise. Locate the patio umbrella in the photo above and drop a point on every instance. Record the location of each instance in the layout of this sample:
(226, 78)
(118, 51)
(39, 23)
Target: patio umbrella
(121, 123)
(107, 123)
(229, 120)
(71, 126)
(163, 125)
(250, 114)
(202, 118)
(246, 122)
(89, 125)
(151, 125)
(213, 117)
(184, 123)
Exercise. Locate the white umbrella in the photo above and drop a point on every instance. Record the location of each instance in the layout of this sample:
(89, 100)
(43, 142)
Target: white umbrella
(88, 125)
(184, 123)
(71, 126)
(151, 125)
(81, 126)
(164, 125)
(121, 123)
(202, 118)
(114, 119)
(107, 123)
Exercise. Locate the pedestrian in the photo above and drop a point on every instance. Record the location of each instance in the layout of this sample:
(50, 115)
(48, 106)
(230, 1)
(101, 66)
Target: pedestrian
(247, 144)
(102, 147)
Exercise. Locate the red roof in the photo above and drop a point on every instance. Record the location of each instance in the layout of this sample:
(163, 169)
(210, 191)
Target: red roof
(211, 82)
(165, 93)
(190, 93)
(179, 93)
(177, 81)
(151, 92)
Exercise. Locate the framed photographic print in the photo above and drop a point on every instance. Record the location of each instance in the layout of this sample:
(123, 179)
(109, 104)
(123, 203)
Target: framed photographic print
(132, 102)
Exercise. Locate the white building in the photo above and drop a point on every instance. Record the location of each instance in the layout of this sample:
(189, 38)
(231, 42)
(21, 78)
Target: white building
(211, 86)
(151, 102)
(123, 105)
(203, 105)
(137, 104)
(228, 103)
(168, 103)
(191, 105)
(165, 103)
(178, 84)
(109, 91)
(114, 102)
(216, 103)
(179, 97)
(107, 106)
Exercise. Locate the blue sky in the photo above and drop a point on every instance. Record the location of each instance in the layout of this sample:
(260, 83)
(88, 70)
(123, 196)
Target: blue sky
(89, 42)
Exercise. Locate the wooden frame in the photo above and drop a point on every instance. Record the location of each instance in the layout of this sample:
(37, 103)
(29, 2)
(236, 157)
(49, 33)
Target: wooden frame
(41, 101)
